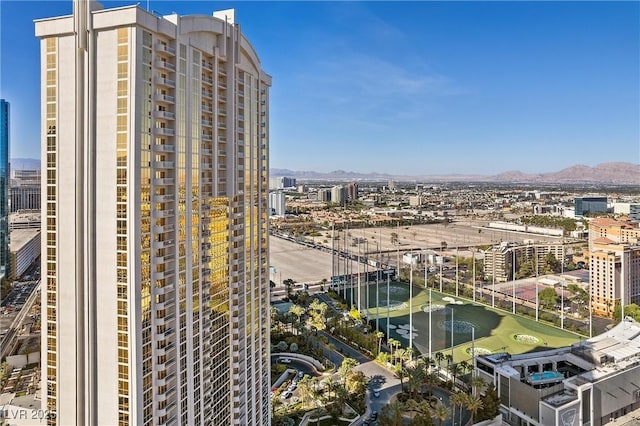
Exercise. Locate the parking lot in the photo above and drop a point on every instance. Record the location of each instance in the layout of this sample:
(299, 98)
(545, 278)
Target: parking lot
(301, 263)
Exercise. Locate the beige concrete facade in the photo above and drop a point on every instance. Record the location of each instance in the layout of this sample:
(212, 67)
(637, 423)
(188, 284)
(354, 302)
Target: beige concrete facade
(155, 274)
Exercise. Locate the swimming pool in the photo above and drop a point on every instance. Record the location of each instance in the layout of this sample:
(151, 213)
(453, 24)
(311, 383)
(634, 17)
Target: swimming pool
(545, 377)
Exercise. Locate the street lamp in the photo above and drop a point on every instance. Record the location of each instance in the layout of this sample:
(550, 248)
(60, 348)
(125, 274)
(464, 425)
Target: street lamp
(411, 303)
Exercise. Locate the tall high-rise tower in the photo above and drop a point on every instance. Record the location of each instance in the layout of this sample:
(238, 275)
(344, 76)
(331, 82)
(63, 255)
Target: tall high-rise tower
(155, 176)
(4, 189)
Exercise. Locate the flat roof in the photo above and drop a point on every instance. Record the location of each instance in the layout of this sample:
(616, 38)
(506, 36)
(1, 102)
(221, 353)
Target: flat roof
(20, 237)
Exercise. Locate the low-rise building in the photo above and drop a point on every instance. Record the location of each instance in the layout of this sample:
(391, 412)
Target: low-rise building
(588, 383)
(24, 249)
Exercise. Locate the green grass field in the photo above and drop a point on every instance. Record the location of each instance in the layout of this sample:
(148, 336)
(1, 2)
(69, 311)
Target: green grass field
(495, 330)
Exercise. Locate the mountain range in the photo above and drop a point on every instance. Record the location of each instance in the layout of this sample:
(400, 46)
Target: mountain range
(604, 173)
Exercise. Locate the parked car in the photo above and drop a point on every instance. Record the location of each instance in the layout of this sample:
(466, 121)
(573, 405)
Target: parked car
(285, 360)
(286, 394)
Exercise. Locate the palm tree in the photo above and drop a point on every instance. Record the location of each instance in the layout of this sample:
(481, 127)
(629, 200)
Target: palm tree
(477, 383)
(401, 372)
(346, 369)
(380, 336)
(455, 400)
(441, 412)
(296, 310)
(439, 358)
(456, 370)
(304, 386)
(431, 380)
(394, 344)
(474, 404)
(416, 375)
(465, 366)
(391, 414)
(330, 384)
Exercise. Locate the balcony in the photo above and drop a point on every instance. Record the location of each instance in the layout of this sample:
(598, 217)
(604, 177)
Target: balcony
(207, 65)
(207, 80)
(240, 129)
(165, 131)
(164, 181)
(159, 260)
(240, 117)
(206, 165)
(161, 245)
(222, 84)
(167, 115)
(165, 65)
(222, 111)
(240, 105)
(207, 94)
(206, 272)
(207, 108)
(222, 152)
(165, 82)
(161, 229)
(222, 71)
(222, 125)
(161, 97)
(207, 123)
(163, 164)
(222, 138)
(161, 47)
(205, 151)
(207, 137)
(163, 213)
(162, 199)
(164, 147)
(222, 98)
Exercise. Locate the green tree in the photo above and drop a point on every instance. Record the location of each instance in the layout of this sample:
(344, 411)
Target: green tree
(474, 404)
(439, 358)
(457, 399)
(551, 264)
(490, 404)
(346, 369)
(297, 311)
(548, 297)
(441, 412)
(379, 336)
(391, 414)
(631, 310)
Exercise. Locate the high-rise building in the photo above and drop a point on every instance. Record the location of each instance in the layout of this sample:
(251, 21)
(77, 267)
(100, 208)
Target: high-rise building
(25, 190)
(352, 191)
(4, 189)
(614, 264)
(281, 182)
(155, 280)
(338, 195)
(277, 204)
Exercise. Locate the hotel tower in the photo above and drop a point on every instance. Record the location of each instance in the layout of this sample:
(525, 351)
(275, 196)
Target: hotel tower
(155, 297)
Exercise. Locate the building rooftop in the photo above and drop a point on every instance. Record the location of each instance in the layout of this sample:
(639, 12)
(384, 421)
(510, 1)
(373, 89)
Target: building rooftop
(20, 237)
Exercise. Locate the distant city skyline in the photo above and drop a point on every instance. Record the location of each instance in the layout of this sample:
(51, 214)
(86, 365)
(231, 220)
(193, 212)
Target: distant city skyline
(410, 88)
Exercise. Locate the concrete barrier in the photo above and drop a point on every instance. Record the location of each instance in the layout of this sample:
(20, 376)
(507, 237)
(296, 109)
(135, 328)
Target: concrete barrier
(300, 357)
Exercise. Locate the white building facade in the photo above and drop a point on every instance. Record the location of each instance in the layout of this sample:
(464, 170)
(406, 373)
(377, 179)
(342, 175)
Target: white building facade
(155, 251)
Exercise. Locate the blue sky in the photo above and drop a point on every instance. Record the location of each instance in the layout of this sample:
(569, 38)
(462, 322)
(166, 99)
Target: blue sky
(410, 88)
